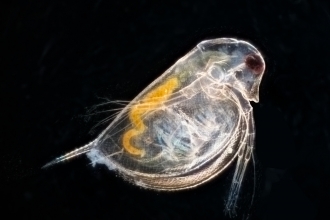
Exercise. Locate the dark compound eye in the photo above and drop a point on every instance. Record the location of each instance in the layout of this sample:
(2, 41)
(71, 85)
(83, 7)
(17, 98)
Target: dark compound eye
(255, 63)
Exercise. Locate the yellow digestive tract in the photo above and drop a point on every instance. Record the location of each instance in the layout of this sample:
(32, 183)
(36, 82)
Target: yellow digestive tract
(151, 101)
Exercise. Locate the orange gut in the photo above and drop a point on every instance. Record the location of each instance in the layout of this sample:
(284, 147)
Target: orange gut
(150, 102)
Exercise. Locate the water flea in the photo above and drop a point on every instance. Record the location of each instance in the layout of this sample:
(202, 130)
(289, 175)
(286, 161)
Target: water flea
(189, 124)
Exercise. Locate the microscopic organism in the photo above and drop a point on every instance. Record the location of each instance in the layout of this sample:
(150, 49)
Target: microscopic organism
(189, 124)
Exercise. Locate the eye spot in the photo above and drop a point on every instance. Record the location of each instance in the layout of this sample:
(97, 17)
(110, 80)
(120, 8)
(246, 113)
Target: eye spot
(255, 63)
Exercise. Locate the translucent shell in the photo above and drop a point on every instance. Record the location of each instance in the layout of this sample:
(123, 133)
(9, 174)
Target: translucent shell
(189, 124)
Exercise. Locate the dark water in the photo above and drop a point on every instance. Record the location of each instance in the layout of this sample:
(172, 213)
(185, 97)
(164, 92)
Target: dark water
(59, 58)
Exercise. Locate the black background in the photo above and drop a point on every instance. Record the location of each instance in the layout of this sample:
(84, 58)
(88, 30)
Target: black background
(59, 57)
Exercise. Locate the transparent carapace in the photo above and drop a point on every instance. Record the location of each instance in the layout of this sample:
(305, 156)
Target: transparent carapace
(189, 124)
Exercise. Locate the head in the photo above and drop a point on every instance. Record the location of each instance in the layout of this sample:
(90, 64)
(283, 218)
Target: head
(244, 64)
